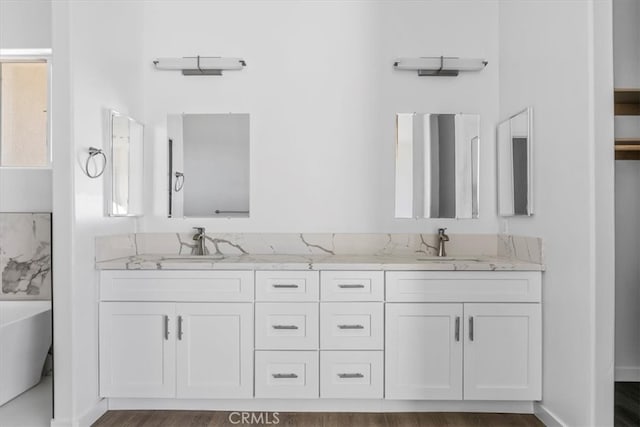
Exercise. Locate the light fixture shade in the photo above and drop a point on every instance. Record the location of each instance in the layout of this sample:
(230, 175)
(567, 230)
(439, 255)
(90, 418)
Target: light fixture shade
(200, 65)
(440, 65)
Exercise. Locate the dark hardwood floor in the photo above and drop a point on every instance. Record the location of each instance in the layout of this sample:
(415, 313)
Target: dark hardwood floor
(627, 414)
(314, 419)
(627, 404)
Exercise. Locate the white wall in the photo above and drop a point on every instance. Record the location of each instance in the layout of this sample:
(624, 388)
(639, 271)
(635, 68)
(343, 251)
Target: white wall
(545, 65)
(99, 69)
(25, 24)
(25, 190)
(322, 94)
(626, 55)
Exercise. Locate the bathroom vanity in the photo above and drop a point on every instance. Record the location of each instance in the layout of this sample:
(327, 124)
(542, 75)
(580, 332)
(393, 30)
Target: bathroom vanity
(330, 332)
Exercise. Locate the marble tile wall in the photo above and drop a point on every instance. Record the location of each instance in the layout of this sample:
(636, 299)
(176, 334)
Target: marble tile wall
(522, 248)
(25, 256)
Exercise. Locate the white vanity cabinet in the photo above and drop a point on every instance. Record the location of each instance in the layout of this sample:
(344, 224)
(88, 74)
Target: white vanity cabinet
(160, 348)
(486, 346)
(390, 337)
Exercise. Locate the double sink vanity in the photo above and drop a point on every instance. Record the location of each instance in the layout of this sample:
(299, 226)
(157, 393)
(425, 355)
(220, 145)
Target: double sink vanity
(337, 321)
(394, 327)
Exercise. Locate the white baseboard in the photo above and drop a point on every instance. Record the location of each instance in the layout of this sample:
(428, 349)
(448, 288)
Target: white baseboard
(628, 374)
(547, 417)
(92, 414)
(57, 422)
(323, 405)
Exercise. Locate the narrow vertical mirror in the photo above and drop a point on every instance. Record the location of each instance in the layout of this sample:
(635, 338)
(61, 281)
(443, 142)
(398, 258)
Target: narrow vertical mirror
(437, 162)
(126, 138)
(514, 148)
(208, 165)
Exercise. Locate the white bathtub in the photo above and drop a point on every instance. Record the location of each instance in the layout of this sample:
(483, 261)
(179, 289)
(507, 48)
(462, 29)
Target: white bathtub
(25, 338)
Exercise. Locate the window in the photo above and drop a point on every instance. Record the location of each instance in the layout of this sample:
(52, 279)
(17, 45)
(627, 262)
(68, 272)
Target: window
(24, 120)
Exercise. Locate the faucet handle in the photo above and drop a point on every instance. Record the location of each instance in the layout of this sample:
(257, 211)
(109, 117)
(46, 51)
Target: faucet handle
(201, 230)
(441, 230)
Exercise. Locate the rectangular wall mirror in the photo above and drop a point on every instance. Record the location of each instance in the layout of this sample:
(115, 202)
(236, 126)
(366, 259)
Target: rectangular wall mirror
(437, 165)
(208, 165)
(514, 148)
(125, 166)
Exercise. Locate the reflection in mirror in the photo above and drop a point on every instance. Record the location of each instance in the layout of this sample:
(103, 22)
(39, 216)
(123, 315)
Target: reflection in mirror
(514, 148)
(437, 165)
(208, 165)
(126, 166)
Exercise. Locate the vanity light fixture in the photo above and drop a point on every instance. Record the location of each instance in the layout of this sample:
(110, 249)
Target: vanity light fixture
(200, 65)
(440, 65)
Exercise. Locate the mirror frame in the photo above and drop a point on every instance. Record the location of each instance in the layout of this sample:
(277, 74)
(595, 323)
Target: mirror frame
(109, 169)
(530, 196)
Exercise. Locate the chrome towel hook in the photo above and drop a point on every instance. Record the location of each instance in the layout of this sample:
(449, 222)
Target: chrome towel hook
(93, 152)
(177, 186)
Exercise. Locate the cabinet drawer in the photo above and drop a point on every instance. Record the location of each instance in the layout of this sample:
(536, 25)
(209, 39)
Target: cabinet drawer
(287, 285)
(463, 286)
(351, 374)
(227, 286)
(286, 374)
(351, 326)
(286, 326)
(352, 285)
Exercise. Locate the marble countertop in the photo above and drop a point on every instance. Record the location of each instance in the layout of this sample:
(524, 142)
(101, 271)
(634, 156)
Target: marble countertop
(317, 262)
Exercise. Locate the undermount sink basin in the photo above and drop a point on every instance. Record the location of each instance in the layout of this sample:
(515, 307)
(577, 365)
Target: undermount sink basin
(447, 258)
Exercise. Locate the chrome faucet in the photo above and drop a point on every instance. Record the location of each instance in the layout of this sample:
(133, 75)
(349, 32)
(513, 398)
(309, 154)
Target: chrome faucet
(200, 248)
(441, 239)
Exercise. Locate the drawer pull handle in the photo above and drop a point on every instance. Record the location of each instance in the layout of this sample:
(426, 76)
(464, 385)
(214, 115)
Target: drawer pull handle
(179, 327)
(343, 286)
(350, 327)
(280, 376)
(457, 328)
(285, 286)
(284, 327)
(166, 327)
(351, 375)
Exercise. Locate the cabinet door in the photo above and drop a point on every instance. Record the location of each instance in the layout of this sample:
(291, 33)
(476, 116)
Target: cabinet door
(503, 352)
(137, 349)
(214, 350)
(423, 351)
